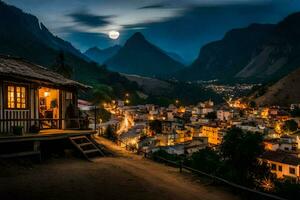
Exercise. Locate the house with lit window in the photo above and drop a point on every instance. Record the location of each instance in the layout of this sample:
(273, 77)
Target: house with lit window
(214, 134)
(283, 164)
(33, 97)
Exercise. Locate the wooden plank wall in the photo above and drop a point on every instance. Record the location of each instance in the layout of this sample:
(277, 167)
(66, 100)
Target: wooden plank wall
(63, 108)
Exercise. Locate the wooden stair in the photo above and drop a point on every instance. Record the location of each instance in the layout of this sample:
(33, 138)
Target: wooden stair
(87, 147)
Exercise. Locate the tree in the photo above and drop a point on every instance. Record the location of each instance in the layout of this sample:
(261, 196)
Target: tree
(252, 104)
(240, 151)
(206, 160)
(110, 133)
(211, 115)
(155, 126)
(61, 67)
(287, 189)
(242, 113)
(163, 154)
(103, 114)
(290, 126)
(296, 112)
(102, 93)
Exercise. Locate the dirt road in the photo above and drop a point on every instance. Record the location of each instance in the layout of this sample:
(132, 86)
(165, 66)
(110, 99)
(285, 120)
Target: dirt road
(124, 177)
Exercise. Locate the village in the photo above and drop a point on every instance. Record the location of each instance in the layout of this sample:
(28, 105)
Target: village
(183, 130)
(153, 99)
(42, 114)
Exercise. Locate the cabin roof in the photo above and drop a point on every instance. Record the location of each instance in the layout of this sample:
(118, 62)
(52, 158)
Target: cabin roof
(18, 67)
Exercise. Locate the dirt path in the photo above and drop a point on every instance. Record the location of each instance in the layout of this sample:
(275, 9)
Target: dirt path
(124, 177)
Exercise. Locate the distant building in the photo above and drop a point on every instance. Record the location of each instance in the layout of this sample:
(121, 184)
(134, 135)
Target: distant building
(282, 164)
(213, 133)
(196, 144)
(224, 115)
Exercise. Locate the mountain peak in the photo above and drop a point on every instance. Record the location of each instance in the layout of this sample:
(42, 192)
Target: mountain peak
(138, 36)
(139, 56)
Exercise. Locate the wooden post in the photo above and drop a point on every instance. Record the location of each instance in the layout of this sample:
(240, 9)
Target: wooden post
(180, 166)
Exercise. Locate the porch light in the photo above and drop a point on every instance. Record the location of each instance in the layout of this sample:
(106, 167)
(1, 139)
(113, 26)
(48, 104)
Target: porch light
(46, 94)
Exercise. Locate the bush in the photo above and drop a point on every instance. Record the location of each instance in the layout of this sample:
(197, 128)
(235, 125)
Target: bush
(206, 160)
(110, 134)
(290, 126)
(17, 130)
(163, 154)
(156, 126)
(287, 189)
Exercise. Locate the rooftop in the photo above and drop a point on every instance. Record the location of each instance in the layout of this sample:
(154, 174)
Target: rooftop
(281, 157)
(20, 68)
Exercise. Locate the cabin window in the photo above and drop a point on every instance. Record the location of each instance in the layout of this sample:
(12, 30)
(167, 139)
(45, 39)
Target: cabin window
(280, 168)
(273, 166)
(16, 97)
(292, 170)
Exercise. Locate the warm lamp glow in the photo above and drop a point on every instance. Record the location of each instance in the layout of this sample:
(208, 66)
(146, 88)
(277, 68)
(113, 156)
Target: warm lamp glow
(46, 94)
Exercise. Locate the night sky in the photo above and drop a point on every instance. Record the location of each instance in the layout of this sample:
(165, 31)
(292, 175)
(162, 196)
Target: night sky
(180, 26)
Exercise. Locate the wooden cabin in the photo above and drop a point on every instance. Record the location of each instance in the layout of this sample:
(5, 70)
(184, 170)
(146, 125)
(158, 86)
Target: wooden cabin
(33, 97)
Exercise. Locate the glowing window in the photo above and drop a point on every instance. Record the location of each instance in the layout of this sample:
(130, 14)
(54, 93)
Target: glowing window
(16, 97)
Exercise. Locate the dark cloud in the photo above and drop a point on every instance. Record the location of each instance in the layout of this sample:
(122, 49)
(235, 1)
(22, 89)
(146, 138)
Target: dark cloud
(153, 6)
(84, 17)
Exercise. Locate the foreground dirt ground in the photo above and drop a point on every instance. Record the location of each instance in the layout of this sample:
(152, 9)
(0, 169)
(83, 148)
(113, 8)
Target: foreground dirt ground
(125, 176)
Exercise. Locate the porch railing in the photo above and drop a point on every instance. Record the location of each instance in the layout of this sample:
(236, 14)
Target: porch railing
(34, 125)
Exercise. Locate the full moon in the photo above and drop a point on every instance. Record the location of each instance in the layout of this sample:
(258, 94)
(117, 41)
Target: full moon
(113, 35)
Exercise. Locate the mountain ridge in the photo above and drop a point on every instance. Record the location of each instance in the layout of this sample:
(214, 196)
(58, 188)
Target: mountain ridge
(101, 55)
(283, 93)
(257, 53)
(25, 37)
(139, 56)
(223, 58)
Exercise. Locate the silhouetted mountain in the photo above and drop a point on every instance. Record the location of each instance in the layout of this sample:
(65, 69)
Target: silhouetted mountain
(22, 35)
(21, 29)
(280, 53)
(101, 55)
(225, 58)
(176, 57)
(259, 52)
(138, 56)
(284, 92)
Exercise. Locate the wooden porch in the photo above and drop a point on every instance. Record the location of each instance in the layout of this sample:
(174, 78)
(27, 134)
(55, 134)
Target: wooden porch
(29, 144)
(48, 134)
